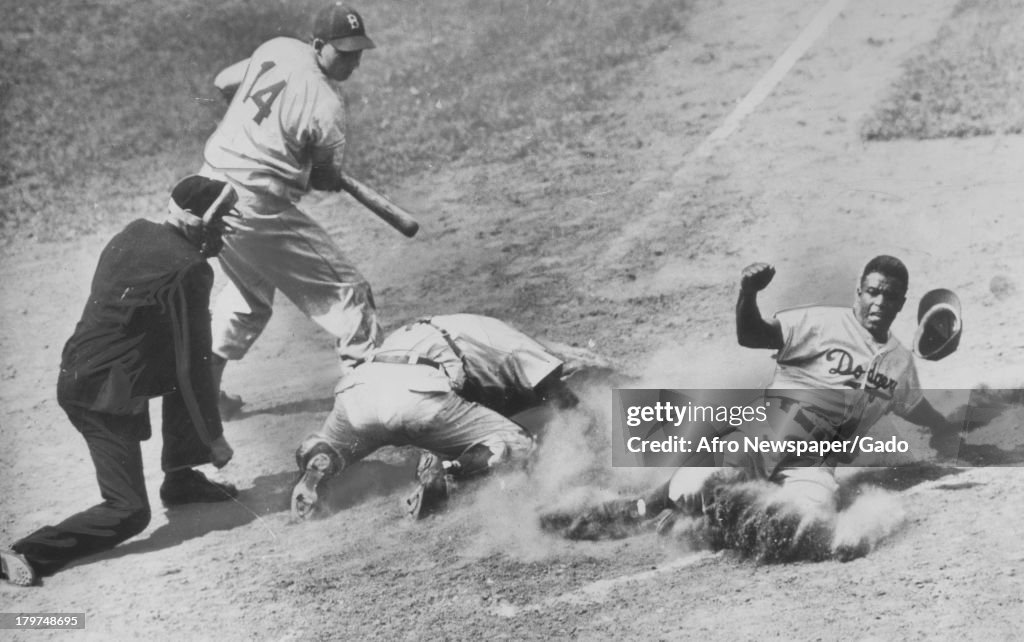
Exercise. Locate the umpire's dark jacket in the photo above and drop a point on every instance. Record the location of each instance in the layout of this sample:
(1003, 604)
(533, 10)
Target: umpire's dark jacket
(145, 331)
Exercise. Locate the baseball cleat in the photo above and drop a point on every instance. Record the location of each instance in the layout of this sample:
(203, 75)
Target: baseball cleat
(432, 492)
(613, 519)
(307, 491)
(556, 521)
(849, 551)
(14, 568)
(665, 521)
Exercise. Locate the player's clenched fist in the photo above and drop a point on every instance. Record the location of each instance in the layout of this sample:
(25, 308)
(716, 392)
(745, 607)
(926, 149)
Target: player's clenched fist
(756, 277)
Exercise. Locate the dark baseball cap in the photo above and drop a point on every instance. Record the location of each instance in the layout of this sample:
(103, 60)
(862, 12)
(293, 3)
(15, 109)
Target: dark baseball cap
(342, 27)
(203, 198)
(939, 325)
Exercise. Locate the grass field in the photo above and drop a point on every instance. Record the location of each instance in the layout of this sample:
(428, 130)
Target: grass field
(102, 124)
(969, 81)
(97, 127)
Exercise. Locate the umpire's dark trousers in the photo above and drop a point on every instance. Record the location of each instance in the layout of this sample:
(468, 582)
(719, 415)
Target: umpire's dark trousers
(115, 446)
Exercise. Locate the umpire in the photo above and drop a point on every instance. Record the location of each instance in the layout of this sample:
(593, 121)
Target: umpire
(144, 333)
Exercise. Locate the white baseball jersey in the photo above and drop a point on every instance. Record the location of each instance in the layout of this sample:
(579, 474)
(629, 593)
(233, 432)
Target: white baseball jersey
(284, 109)
(826, 348)
(487, 360)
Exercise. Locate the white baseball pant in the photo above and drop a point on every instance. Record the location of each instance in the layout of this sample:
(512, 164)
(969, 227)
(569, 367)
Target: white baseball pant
(383, 404)
(288, 251)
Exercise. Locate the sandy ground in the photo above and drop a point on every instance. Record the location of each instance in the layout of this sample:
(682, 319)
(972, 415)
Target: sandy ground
(630, 244)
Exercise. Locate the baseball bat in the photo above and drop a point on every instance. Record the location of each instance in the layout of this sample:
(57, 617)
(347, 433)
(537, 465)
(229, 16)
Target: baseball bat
(393, 215)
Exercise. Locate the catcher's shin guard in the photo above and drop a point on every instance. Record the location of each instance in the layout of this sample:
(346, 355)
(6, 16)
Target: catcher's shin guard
(316, 464)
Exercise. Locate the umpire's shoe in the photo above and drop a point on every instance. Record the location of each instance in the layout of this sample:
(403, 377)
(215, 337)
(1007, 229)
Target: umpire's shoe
(14, 568)
(189, 486)
(432, 493)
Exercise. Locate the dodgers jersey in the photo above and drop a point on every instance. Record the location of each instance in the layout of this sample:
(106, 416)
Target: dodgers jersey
(826, 348)
(284, 109)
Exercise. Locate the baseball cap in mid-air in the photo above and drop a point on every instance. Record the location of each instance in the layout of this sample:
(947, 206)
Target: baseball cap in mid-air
(340, 25)
(939, 325)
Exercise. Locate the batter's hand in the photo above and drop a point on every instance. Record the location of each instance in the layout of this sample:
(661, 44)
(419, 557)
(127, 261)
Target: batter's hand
(756, 277)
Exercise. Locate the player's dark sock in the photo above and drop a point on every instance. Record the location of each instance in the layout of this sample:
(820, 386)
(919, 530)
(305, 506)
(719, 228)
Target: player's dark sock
(471, 463)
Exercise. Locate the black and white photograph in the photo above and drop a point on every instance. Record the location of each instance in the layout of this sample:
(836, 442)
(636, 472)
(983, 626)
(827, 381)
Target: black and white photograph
(512, 319)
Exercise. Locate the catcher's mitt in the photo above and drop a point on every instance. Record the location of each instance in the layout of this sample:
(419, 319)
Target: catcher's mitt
(938, 325)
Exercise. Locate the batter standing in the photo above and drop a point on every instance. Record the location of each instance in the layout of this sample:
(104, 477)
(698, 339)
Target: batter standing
(283, 134)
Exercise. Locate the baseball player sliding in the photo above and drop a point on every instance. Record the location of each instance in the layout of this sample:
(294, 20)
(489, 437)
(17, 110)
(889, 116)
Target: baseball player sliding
(446, 384)
(283, 134)
(839, 370)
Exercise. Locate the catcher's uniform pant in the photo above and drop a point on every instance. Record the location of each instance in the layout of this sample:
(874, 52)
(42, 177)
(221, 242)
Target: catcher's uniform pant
(382, 404)
(114, 444)
(284, 249)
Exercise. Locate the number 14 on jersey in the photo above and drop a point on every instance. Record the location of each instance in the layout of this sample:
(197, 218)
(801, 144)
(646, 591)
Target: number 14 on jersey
(264, 98)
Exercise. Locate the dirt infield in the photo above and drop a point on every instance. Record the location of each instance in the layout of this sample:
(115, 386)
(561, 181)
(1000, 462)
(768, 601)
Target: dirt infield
(632, 246)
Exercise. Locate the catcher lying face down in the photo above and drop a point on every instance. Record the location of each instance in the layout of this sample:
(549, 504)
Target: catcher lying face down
(839, 370)
(446, 384)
